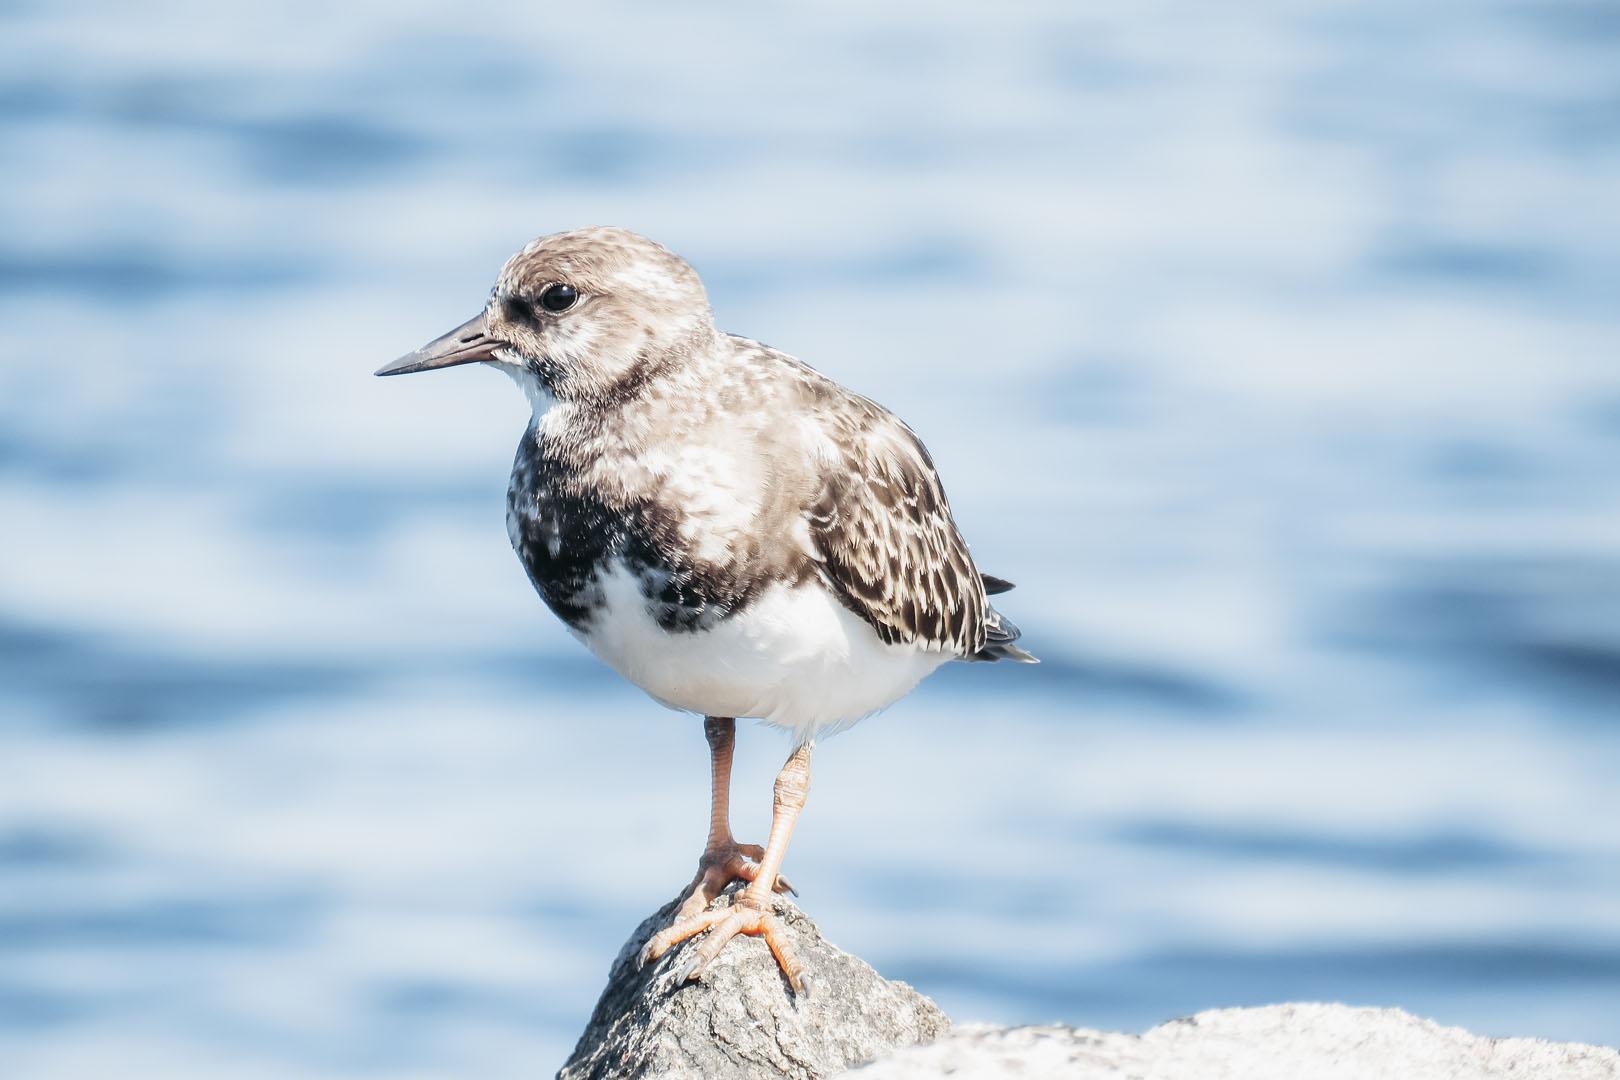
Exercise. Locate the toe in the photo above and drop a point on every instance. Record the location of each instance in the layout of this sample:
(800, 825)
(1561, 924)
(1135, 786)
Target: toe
(739, 867)
(704, 952)
(678, 931)
(742, 869)
(694, 905)
(787, 958)
(745, 916)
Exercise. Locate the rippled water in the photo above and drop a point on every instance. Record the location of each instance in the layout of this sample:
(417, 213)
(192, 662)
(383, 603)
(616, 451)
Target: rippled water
(1274, 352)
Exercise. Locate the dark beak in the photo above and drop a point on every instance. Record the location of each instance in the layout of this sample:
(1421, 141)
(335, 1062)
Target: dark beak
(466, 344)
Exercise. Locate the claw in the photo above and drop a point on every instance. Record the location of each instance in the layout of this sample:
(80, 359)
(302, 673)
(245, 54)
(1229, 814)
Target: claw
(750, 871)
(689, 968)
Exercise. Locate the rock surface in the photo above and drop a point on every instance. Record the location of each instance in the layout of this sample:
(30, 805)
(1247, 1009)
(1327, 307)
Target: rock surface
(1277, 1042)
(742, 1020)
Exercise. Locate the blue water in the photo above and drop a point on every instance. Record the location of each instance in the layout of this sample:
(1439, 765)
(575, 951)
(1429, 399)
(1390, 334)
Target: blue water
(1274, 351)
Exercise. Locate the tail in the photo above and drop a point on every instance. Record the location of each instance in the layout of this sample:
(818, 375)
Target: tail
(1000, 631)
(995, 586)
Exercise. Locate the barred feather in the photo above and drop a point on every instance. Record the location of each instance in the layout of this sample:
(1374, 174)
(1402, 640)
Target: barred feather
(889, 547)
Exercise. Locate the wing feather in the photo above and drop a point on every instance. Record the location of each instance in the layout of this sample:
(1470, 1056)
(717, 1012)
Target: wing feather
(888, 545)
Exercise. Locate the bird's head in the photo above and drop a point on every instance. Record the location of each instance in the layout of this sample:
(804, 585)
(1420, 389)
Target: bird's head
(585, 315)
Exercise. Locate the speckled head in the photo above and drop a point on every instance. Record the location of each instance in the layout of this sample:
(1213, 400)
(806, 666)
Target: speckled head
(587, 315)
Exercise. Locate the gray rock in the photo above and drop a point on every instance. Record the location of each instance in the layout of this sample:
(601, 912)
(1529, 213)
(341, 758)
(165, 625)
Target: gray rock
(1277, 1042)
(742, 1020)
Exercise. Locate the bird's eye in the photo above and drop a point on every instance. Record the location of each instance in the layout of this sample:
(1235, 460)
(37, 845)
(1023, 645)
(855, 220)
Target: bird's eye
(558, 297)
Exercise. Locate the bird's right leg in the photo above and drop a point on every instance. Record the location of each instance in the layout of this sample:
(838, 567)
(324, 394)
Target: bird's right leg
(723, 860)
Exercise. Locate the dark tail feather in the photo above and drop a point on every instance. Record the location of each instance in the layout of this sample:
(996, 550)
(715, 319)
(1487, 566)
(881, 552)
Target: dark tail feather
(1005, 652)
(994, 586)
(999, 635)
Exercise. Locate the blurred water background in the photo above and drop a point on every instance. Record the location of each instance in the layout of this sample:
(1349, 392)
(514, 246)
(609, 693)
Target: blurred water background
(1273, 350)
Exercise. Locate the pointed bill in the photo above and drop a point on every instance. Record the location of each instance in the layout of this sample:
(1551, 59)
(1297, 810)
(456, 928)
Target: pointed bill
(466, 344)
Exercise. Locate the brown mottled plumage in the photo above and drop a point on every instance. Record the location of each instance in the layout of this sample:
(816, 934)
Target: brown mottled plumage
(888, 545)
(730, 529)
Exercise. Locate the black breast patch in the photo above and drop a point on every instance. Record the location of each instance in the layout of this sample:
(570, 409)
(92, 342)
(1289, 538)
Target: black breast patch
(567, 538)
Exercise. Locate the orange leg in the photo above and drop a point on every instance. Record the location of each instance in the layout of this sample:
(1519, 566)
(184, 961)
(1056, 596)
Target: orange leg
(750, 912)
(723, 860)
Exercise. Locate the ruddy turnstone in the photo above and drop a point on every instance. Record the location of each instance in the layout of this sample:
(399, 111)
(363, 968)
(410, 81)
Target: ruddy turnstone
(728, 528)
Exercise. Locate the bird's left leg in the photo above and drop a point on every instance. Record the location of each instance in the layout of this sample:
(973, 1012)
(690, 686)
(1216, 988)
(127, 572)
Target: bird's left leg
(723, 860)
(750, 912)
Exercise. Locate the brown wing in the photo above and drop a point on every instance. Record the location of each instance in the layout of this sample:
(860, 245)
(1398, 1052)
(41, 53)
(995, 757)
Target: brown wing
(886, 541)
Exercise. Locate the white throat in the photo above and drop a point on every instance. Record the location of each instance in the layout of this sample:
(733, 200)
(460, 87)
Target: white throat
(540, 398)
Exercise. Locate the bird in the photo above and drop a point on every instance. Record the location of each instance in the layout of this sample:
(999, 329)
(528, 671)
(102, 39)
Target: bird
(729, 529)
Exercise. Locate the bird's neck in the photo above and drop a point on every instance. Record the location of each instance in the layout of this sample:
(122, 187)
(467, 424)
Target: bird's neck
(539, 395)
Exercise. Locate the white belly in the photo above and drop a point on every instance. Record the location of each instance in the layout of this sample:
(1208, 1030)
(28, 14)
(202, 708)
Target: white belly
(796, 658)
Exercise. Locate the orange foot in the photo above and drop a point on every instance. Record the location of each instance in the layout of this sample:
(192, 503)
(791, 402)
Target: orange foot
(744, 916)
(718, 867)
